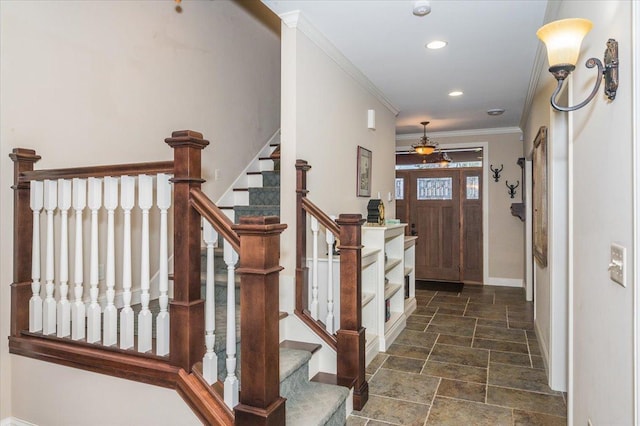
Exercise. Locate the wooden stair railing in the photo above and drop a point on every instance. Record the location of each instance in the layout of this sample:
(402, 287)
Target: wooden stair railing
(257, 240)
(349, 340)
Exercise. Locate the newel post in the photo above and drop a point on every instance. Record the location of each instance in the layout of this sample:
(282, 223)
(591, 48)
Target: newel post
(259, 269)
(351, 335)
(302, 275)
(23, 160)
(187, 308)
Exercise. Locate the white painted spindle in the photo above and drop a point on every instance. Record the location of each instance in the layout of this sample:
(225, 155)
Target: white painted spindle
(94, 310)
(110, 318)
(64, 307)
(330, 238)
(162, 321)
(210, 360)
(49, 306)
(35, 303)
(78, 310)
(231, 382)
(127, 200)
(145, 200)
(313, 308)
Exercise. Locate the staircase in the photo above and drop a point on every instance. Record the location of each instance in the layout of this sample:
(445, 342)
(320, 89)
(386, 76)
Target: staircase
(309, 402)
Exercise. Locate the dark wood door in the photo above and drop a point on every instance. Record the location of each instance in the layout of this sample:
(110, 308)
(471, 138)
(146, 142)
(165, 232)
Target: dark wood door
(443, 207)
(435, 218)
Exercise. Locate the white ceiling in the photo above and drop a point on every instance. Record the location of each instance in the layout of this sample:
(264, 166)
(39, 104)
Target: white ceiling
(490, 56)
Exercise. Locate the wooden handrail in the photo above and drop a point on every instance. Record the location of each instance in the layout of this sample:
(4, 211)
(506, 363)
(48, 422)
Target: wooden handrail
(131, 169)
(349, 341)
(215, 216)
(322, 217)
(257, 240)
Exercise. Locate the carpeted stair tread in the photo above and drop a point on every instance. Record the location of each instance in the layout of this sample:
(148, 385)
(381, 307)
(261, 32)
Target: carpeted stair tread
(317, 404)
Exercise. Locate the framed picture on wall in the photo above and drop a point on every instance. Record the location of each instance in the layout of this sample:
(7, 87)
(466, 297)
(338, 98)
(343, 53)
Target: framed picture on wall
(364, 172)
(540, 191)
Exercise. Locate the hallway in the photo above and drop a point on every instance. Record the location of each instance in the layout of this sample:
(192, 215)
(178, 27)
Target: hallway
(468, 358)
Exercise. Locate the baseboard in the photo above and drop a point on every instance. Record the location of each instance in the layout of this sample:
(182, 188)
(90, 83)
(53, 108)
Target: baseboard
(505, 282)
(543, 349)
(13, 421)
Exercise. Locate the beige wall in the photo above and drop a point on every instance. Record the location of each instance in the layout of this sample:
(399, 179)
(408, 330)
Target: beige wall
(105, 82)
(324, 119)
(602, 385)
(505, 232)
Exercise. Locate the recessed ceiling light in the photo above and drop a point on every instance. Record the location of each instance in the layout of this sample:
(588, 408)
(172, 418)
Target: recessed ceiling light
(495, 111)
(436, 44)
(455, 93)
(421, 8)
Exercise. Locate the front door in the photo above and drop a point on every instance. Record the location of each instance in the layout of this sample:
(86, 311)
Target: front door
(444, 209)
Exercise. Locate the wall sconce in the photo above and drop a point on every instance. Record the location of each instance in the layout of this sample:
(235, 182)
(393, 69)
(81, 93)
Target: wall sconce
(562, 39)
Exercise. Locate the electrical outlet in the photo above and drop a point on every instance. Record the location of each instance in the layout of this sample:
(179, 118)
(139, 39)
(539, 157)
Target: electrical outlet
(617, 264)
(217, 174)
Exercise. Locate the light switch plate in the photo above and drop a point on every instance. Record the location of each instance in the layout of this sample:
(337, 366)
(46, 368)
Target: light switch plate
(617, 264)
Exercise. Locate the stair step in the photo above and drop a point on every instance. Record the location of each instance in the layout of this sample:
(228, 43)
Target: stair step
(301, 346)
(294, 370)
(317, 404)
(256, 211)
(326, 378)
(266, 196)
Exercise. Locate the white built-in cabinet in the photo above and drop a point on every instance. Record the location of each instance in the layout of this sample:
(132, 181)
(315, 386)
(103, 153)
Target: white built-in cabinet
(388, 279)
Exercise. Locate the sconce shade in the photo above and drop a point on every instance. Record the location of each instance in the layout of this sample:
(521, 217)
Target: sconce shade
(563, 39)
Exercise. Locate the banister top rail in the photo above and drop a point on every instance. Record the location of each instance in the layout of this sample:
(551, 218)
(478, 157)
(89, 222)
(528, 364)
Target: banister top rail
(322, 217)
(208, 210)
(98, 171)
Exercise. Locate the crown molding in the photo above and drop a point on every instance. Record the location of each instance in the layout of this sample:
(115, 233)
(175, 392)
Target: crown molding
(458, 133)
(551, 14)
(295, 19)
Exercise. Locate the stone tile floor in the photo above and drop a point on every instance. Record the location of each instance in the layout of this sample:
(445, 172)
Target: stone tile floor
(468, 358)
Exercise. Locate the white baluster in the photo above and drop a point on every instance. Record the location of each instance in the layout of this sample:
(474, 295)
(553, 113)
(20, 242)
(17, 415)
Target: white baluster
(314, 277)
(35, 303)
(231, 382)
(210, 360)
(110, 318)
(94, 310)
(49, 306)
(145, 200)
(127, 200)
(330, 319)
(162, 321)
(78, 310)
(64, 307)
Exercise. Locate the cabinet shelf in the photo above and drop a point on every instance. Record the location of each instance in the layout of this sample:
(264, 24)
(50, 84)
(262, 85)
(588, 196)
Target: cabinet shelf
(366, 298)
(390, 290)
(391, 263)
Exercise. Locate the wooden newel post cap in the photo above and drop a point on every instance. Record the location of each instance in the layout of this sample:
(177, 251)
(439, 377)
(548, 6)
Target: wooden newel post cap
(187, 137)
(259, 224)
(302, 165)
(350, 219)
